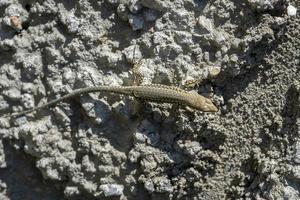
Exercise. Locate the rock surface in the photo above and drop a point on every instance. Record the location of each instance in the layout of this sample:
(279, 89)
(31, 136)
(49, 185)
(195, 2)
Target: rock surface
(106, 146)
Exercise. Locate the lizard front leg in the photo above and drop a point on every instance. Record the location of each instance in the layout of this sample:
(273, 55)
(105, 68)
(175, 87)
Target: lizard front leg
(210, 73)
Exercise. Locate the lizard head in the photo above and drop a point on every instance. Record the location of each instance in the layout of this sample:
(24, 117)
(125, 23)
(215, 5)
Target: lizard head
(202, 103)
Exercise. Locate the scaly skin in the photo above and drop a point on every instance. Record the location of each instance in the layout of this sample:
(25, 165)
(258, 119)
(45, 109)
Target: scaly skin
(153, 92)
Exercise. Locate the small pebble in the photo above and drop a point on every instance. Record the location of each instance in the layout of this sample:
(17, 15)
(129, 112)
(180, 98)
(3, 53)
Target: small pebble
(20, 120)
(27, 100)
(122, 12)
(149, 186)
(13, 93)
(70, 21)
(16, 22)
(132, 53)
(14, 16)
(71, 191)
(291, 10)
(205, 24)
(135, 6)
(136, 22)
(213, 71)
(112, 189)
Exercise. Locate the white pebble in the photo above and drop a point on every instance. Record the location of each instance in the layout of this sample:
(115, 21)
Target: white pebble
(213, 71)
(112, 189)
(291, 10)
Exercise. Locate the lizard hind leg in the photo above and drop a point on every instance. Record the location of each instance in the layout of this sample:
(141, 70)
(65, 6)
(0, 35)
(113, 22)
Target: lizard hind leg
(137, 76)
(191, 83)
(211, 72)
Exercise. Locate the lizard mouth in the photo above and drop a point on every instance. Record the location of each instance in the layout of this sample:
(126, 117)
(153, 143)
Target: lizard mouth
(216, 107)
(211, 106)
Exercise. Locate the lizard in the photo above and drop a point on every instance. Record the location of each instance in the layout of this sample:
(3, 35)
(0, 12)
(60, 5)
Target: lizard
(152, 92)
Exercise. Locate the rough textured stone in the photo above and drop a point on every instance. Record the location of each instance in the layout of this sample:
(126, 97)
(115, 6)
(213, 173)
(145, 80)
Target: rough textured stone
(244, 55)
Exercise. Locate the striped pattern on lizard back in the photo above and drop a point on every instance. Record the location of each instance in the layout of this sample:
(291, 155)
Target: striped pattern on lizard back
(155, 93)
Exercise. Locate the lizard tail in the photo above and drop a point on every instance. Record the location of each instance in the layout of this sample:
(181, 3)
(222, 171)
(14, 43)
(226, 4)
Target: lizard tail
(114, 89)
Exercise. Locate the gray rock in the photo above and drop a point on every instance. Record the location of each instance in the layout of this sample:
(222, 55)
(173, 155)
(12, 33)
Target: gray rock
(147, 132)
(6, 2)
(3, 104)
(297, 153)
(205, 24)
(88, 165)
(32, 65)
(133, 54)
(96, 109)
(71, 191)
(162, 185)
(150, 15)
(13, 94)
(262, 4)
(112, 189)
(70, 21)
(178, 153)
(123, 12)
(3, 163)
(15, 15)
(27, 101)
(135, 6)
(291, 193)
(149, 186)
(291, 10)
(136, 22)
